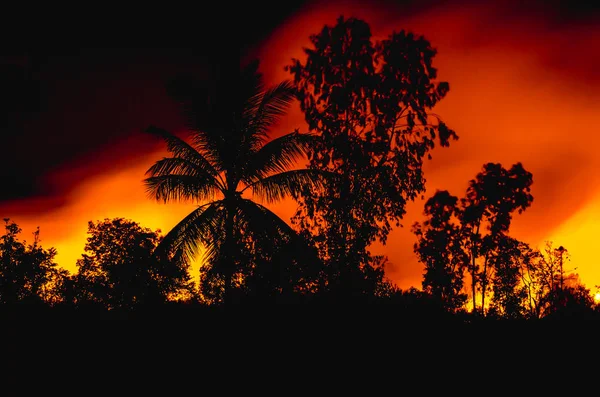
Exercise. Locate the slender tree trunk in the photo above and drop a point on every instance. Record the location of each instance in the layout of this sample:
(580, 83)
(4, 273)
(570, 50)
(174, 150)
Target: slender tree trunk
(473, 280)
(531, 299)
(562, 296)
(473, 268)
(483, 286)
(552, 292)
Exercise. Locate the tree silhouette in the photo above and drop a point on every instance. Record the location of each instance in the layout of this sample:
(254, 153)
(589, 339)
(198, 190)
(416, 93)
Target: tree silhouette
(553, 290)
(509, 293)
(536, 277)
(475, 229)
(576, 299)
(230, 156)
(271, 267)
(440, 248)
(487, 210)
(369, 103)
(118, 269)
(28, 272)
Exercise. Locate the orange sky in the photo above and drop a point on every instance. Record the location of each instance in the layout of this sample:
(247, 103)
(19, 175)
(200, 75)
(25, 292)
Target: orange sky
(523, 89)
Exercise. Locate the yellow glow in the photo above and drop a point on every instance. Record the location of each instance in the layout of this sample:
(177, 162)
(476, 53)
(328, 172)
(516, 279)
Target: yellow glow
(113, 195)
(579, 235)
(120, 194)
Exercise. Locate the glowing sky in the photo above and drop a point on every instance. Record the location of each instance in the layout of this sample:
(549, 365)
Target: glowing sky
(523, 87)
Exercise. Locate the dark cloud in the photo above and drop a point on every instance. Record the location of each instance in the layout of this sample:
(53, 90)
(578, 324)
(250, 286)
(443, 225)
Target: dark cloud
(75, 90)
(77, 109)
(21, 99)
(78, 88)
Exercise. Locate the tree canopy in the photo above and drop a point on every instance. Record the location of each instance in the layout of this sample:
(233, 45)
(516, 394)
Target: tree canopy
(370, 104)
(119, 270)
(230, 168)
(28, 272)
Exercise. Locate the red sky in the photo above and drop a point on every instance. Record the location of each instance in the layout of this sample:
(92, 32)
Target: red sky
(523, 85)
(523, 88)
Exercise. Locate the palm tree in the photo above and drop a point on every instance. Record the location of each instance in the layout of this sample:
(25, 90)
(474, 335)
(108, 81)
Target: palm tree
(228, 157)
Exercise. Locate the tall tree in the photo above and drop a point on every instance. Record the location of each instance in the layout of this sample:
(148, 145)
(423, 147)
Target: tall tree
(475, 229)
(369, 103)
(487, 209)
(118, 269)
(509, 293)
(440, 248)
(229, 158)
(533, 275)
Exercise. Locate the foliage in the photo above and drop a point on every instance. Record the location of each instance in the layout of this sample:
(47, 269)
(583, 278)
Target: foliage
(28, 272)
(228, 162)
(368, 102)
(440, 248)
(524, 282)
(509, 294)
(118, 269)
(472, 233)
(552, 289)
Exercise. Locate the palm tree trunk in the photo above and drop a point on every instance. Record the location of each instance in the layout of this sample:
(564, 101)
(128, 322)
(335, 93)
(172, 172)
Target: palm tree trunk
(228, 257)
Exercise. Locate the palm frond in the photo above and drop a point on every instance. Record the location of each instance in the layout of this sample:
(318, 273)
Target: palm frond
(181, 149)
(177, 166)
(265, 108)
(204, 105)
(289, 183)
(258, 216)
(278, 155)
(199, 228)
(272, 226)
(221, 126)
(183, 188)
(220, 250)
(180, 166)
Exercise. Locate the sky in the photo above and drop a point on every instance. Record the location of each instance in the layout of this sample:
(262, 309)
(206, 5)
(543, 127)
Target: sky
(523, 88)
